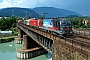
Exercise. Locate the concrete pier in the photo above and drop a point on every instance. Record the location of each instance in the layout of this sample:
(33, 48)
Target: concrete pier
(18, 40)
(29, 50)
(30, 53)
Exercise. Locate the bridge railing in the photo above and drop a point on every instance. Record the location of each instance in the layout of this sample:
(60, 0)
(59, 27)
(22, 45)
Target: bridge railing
(82, 32)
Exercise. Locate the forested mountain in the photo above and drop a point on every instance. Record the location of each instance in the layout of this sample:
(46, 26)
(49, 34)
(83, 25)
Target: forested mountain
(21, 12)
(54, 12)
(48, 12)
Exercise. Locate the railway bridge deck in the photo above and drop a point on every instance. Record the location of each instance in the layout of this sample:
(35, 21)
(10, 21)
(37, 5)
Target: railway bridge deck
(61, 48)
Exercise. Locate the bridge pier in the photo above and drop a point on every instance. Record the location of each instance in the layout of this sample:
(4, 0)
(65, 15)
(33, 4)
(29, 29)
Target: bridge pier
(67, 52)
(19, 39)
(29, 50)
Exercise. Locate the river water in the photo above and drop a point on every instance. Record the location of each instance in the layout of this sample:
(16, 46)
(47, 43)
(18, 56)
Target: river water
(8, 52)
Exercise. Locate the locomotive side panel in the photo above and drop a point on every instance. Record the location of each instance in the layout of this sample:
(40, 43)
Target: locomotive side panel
(46, 23)
(61, 26)
(33, 22)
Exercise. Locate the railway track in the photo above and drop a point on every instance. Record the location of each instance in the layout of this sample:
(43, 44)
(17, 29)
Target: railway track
(82, 38)
(80, 41)
(77, 41)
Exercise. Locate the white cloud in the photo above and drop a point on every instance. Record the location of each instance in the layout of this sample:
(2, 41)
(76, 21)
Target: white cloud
(22, 3)
(4, 4)
(32, 3)
(72, 5)
(18, 1)
(10, 3)
(26, 3)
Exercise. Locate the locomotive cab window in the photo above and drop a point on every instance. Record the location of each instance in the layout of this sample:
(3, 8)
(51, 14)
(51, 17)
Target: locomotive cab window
(66, 22)
(58, 25)
(55, 23)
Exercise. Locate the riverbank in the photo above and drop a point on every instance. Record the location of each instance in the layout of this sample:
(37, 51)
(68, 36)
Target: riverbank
(7, 39)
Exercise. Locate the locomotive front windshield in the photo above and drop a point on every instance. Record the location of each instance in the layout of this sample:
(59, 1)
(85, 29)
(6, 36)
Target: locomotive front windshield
(65, 23)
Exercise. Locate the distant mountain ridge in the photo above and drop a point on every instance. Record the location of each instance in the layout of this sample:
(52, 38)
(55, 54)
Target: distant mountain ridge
(37, 12)
(16, 11)
(54, 12)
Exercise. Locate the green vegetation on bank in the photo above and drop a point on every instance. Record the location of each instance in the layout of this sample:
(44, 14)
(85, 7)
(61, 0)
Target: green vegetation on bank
(78, 23)
(9, 23)
(7, 39)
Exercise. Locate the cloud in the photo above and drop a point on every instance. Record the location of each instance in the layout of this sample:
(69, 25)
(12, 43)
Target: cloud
(73, 5)
(10, 3)
(32, 3)
(38, 3)
(4, 4)
(24, 3)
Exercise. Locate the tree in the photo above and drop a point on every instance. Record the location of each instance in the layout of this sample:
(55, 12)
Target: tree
(7, 23)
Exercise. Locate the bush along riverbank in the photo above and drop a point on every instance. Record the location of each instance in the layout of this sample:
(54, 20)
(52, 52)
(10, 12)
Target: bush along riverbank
(6, 40)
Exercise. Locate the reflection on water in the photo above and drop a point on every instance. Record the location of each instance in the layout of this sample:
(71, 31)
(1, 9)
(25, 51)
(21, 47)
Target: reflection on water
(49, 56)
(8, 52)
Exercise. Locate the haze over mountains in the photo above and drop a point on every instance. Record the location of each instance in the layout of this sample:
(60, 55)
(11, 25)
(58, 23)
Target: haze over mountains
(54, 12)
(37, 12)
(20, 12)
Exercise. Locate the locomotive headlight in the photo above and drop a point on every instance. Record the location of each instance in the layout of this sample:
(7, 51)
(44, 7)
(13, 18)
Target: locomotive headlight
(71, 32)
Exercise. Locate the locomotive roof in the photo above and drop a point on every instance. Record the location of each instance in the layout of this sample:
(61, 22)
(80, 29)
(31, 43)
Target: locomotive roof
(58, 19)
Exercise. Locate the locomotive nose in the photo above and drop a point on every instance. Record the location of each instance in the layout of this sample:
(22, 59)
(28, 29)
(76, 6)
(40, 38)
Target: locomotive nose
(67, 28)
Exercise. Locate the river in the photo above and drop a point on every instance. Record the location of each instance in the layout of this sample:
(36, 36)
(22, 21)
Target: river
(8, 52)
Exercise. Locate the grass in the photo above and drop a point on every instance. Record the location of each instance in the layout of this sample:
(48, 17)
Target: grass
(6, 39)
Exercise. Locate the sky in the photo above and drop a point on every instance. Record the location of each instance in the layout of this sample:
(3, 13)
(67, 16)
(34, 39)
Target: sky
(80, 6)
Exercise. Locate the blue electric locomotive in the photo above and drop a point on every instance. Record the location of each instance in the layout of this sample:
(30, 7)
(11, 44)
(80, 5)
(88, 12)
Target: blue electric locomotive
(61, 26)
